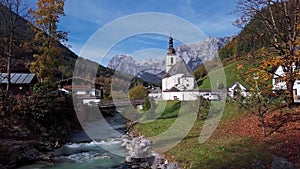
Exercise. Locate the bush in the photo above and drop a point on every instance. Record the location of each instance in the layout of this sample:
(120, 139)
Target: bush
(138, 93)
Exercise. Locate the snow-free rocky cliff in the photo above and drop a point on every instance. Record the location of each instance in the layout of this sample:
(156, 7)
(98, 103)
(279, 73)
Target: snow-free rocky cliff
(152, 70)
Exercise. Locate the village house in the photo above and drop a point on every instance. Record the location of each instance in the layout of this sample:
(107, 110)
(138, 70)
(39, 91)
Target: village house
(89, 92)
(155, 92)
(236, 90)
(21, 83)
(279, 85)
(22, 80)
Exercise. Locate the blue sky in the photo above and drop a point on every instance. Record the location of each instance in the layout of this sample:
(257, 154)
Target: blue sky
(84, 18)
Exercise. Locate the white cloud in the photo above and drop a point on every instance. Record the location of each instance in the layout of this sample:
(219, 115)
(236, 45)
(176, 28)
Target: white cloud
(85, 17)
(149, 53)
(154, 23)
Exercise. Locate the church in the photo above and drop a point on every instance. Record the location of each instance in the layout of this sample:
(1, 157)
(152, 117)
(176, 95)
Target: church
(179, 82)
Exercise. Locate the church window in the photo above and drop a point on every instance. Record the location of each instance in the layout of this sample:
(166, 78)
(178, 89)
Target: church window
(172, 60)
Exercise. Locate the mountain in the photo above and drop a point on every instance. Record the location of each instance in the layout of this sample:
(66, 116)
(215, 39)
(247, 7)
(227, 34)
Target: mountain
(153, 70)
(195, 54)
(146, 69)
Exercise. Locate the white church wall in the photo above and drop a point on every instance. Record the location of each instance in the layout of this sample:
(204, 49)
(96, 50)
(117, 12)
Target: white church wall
(186, 95)
(188, 82)
(172, 81)
(164, 84)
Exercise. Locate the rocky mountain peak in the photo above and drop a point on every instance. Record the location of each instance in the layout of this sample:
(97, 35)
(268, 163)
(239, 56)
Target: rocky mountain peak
(193, 55)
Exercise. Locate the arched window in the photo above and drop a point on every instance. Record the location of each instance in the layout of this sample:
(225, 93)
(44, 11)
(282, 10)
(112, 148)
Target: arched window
(172, 60)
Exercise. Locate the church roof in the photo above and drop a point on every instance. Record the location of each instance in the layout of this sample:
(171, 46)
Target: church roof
(180, 68)
(173, 89)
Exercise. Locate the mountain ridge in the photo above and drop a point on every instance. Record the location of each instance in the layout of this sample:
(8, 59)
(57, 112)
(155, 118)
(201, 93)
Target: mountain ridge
(152, 69)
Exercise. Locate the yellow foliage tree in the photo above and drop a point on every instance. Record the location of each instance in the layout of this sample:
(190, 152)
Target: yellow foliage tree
(47, 38)
(277, 24)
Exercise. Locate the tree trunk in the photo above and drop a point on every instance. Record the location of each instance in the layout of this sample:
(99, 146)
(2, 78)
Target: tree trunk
(8, 74)
(263, 126)
(10, 48)
(290, 93)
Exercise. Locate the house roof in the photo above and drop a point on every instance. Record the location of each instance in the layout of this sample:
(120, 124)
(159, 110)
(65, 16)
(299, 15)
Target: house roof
(155, 90)
(239, 85)
(180, 68)
(173, 89)
(17, 78)
(79, 87)
(77, 80)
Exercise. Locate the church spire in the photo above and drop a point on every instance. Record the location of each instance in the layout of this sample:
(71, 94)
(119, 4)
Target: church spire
(171, 49)
(171, 57)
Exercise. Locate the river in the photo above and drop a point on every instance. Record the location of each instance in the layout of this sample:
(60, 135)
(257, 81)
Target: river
(83, 153)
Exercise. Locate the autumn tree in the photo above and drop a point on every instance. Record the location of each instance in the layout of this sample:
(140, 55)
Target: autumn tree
(275, 23)
(260, 106)
(47, 38)
(200, 72)
(138, 93)
(259, 101)
(12, 39)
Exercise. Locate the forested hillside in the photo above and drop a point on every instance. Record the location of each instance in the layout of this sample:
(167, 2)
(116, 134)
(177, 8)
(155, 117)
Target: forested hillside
(269, 38)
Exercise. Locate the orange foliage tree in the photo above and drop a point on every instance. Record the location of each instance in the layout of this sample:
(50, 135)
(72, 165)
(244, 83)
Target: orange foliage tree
(277, 24)
(260, 100)
(47, 38)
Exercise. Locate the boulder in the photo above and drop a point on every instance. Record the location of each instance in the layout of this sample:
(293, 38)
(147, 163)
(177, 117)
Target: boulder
(281, 163)
(141, 155)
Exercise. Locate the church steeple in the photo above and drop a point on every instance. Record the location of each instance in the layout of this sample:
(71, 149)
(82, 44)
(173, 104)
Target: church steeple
(171, 49)
(171, 57)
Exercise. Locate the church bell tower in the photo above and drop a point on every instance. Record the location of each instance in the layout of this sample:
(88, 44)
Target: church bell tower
(171, 55)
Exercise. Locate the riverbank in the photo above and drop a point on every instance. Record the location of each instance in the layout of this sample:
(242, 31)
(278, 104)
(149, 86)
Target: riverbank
(35, 127)
(21, 146)
(32, 126)
(236, 143)
(78, 150)
(141, 156)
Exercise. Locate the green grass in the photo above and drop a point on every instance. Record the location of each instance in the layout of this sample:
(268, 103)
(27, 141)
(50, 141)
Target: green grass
(169, 112)
(220, 151)
(231, 74)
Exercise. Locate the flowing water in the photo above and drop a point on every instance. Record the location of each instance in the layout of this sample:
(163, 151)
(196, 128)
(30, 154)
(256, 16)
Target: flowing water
(84, 153)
